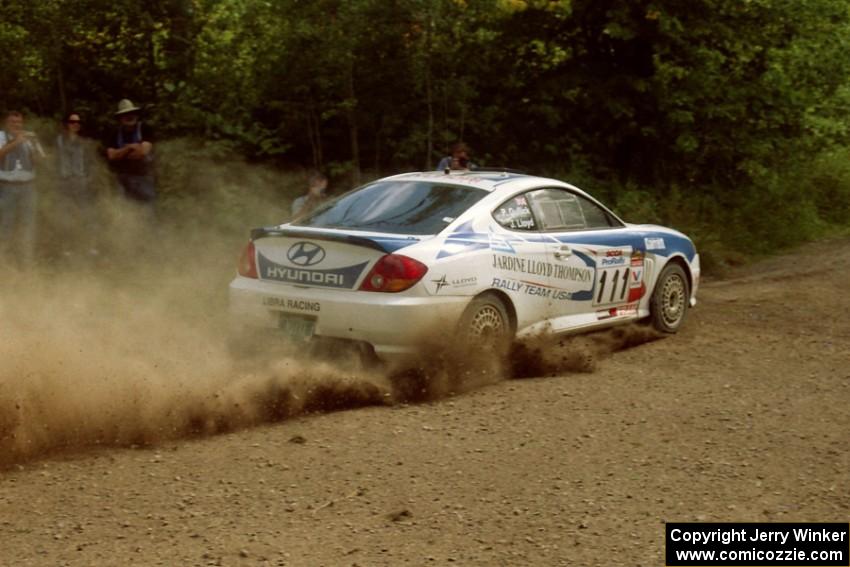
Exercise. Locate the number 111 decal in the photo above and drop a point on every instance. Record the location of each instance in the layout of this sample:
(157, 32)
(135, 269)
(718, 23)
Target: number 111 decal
(623, 284)
(613, 285)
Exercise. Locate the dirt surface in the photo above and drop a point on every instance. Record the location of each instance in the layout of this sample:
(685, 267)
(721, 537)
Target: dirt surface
(742, 416)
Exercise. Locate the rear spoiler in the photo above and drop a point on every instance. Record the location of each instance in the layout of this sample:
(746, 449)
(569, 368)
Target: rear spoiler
(267, 232)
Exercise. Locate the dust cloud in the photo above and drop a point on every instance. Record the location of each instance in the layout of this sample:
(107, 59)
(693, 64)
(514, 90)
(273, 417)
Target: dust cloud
(89, 363)
(550, 355)
(129, 348)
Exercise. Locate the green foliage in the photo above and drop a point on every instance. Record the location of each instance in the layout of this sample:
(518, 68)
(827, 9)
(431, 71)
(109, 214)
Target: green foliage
(828, 182)
(713, 115)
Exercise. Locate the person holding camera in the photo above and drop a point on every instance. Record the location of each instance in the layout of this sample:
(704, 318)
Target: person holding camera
(19, 152)
(458, 160)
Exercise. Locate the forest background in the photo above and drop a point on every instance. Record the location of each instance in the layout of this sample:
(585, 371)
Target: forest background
(727, 119)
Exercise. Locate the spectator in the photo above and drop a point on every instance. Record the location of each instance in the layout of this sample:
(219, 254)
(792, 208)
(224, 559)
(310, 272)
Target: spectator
(19, 152)
(317, 183)
(458, 160)
(75, 161)
(130, 154)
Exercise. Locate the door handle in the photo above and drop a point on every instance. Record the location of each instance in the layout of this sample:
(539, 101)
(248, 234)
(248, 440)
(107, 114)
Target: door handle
(562, 252)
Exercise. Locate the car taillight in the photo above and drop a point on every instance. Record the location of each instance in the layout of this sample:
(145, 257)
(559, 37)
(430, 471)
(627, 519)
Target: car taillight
(392, 273)
(247, 262)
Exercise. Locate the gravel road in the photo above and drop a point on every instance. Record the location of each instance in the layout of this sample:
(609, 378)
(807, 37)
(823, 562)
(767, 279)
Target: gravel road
(742, 416)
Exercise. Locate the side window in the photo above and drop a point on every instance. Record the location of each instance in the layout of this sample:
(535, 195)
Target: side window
(515, 214)
(596, 216)
(558, 210)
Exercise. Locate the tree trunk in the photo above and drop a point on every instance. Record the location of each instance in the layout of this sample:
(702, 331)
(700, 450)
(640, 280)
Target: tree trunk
(314, 136)
(379, 131)
(63, 98)
(351, 108)
(462, 121)
(429, 93)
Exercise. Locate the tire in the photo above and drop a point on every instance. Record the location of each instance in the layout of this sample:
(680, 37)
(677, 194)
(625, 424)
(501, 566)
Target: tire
(670, 299)
(485, 323)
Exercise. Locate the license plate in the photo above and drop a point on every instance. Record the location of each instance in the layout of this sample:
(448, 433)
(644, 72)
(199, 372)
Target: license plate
(297, 327)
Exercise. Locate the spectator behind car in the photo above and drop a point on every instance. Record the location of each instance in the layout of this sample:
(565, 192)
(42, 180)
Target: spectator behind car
(19, 153)
(75, 160)
(458, 160)
(130, 154)
(317, 183)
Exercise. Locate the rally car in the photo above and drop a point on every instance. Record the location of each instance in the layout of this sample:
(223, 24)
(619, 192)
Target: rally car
(477, 255)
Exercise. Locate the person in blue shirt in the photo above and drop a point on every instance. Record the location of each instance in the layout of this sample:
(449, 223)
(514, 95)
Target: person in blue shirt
(458, 160)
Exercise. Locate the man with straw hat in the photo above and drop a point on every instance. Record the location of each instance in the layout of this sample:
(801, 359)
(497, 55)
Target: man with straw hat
(130, 154)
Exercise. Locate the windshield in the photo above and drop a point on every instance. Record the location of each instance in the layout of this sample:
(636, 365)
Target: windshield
(405, 207)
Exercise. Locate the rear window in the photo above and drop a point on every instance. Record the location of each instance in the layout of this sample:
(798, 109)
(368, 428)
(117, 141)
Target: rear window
(515, 214)
(413, 207)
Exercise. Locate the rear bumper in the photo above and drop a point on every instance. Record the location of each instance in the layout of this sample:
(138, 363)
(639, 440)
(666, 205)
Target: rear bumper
(394, 324)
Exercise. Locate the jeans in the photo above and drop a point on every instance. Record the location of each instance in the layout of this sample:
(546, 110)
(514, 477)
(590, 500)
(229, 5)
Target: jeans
(17, 222)
(138, 187)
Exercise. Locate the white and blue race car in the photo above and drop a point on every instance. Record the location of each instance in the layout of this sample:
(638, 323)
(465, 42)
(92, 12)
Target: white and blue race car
(484, 254)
